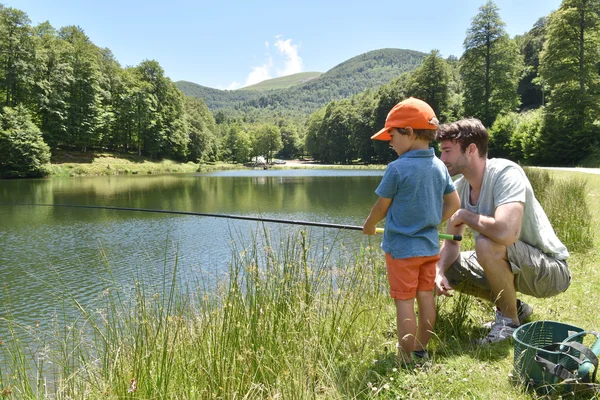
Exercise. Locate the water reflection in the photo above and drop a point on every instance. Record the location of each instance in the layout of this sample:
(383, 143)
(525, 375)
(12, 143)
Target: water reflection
(49, 254)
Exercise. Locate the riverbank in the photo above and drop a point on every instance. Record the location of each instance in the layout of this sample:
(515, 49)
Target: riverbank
(71, 164)
(105, 163)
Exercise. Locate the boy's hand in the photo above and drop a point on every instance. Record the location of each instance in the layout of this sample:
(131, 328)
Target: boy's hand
(369, 229)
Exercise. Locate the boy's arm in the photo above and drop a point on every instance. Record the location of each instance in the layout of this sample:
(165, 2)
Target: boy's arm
(378, 212)
(451, 205)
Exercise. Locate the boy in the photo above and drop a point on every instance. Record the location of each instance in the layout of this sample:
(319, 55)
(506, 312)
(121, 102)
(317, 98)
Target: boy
(416, 194)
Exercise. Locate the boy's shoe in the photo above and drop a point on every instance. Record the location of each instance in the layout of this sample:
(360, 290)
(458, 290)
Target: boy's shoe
(420, 355)
(524, 311)
(502, 329)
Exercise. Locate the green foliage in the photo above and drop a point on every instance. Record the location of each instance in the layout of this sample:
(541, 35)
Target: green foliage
(267, 141)
(292, 138)
(517, 136)
(569, 66)
(23, 152)
(431, 83)
(490, 67)
(200, 128)
(500, 133)
(17, 53)
(531, 44)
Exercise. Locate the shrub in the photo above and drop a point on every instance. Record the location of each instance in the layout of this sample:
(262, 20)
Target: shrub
(23, 152)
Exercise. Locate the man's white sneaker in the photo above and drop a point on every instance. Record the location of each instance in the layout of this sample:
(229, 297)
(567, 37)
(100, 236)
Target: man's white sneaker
(502, 329)
(524, 311)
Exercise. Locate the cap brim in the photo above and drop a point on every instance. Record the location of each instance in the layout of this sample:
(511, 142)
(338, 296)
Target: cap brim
(383, 134)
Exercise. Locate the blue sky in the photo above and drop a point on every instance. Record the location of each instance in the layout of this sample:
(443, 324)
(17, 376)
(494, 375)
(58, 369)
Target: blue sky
(230, 44)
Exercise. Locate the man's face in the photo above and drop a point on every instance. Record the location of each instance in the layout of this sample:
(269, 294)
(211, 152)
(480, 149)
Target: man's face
(453, 157)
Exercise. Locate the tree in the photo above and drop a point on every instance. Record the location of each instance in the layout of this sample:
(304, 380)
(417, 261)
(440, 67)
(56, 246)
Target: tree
(267, 141)
(431, 81)
(84, 101)
(23, 152)
(292, 142)
(16, 57)
(569, 66)
(53, 77)
(490, 67)
(531, 44)
(200, 126)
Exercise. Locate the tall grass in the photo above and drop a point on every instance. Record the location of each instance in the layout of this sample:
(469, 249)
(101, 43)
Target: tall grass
(566, 204)
(287, 321)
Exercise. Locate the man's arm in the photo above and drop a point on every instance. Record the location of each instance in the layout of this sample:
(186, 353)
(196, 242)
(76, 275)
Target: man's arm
(378, 212)
(503, 228)
(448, 254)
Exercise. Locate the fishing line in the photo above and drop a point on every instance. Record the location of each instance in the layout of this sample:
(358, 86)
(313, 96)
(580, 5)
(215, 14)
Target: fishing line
(230, 216)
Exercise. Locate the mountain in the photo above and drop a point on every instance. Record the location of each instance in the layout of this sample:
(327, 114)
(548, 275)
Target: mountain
(283, 82)
(366, 71)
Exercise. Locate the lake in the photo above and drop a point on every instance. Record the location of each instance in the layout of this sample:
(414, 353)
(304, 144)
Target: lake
(52, 253)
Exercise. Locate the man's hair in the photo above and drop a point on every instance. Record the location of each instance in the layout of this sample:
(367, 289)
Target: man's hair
(465, 132)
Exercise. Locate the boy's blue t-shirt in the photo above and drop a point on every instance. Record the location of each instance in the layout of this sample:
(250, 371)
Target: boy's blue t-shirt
(416, 182)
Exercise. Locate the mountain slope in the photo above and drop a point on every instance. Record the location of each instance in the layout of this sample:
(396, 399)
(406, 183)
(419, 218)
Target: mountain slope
(283, 82)
(366, 71)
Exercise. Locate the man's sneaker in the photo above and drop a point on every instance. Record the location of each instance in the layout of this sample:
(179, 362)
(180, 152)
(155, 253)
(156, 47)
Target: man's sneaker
(524, 311)
(502, 329)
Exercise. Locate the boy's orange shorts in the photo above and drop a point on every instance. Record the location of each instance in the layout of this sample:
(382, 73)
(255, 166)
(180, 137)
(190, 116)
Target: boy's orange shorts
(409, 275)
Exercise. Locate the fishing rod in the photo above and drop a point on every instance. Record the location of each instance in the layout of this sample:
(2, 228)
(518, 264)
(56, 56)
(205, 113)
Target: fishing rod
(444, 236)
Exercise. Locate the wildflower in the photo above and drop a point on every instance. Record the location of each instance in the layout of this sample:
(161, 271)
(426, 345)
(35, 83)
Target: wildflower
(132, 386)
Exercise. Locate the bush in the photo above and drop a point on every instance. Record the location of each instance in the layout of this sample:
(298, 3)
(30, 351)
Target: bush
(23, 152)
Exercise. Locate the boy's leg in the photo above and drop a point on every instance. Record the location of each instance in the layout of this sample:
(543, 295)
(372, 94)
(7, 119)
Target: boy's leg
(427, 316)
(407, 328)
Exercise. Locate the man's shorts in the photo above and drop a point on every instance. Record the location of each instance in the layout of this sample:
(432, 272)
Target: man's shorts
(409, 275)
(536, 273)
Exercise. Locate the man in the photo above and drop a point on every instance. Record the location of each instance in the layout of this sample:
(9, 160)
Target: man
(516, 249)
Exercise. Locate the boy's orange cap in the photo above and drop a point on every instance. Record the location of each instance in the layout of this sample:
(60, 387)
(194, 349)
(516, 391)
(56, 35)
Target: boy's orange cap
(411, 112)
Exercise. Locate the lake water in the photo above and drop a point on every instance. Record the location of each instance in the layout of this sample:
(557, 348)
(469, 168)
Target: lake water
(49, 254)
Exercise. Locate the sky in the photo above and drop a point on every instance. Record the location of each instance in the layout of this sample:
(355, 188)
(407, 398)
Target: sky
(232, 44)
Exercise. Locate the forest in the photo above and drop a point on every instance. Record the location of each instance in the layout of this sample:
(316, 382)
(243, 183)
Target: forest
(537, 93)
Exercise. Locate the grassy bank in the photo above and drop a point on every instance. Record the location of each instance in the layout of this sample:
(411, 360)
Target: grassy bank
(98, 164)
(290, 323)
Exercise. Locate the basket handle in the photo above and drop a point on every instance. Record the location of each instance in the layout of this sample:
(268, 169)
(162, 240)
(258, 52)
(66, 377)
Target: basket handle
(585, 363)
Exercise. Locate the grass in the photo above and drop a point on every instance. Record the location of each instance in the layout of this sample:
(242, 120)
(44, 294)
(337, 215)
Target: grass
(289, 322)
(98, 164)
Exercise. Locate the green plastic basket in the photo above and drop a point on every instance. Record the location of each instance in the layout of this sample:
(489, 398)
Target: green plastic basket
(530, 340)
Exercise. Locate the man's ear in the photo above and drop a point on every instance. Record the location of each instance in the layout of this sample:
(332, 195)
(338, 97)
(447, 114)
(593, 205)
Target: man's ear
(409, 130)
(473, 150)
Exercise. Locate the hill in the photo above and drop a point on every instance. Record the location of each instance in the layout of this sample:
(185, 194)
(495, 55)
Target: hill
(284, 82)
(366, 71)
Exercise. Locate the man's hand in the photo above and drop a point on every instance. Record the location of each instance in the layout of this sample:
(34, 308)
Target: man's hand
(442, 286)
(457, 220)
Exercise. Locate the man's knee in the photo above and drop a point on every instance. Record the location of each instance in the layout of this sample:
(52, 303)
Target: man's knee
(490, 253)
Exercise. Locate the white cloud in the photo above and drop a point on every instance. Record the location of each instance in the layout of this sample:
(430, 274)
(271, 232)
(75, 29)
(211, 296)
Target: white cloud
(286, 62)
(293, 62)
(233, 85)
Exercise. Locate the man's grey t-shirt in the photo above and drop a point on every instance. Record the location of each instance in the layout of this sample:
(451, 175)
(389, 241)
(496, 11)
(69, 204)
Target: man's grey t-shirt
(505, 182)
